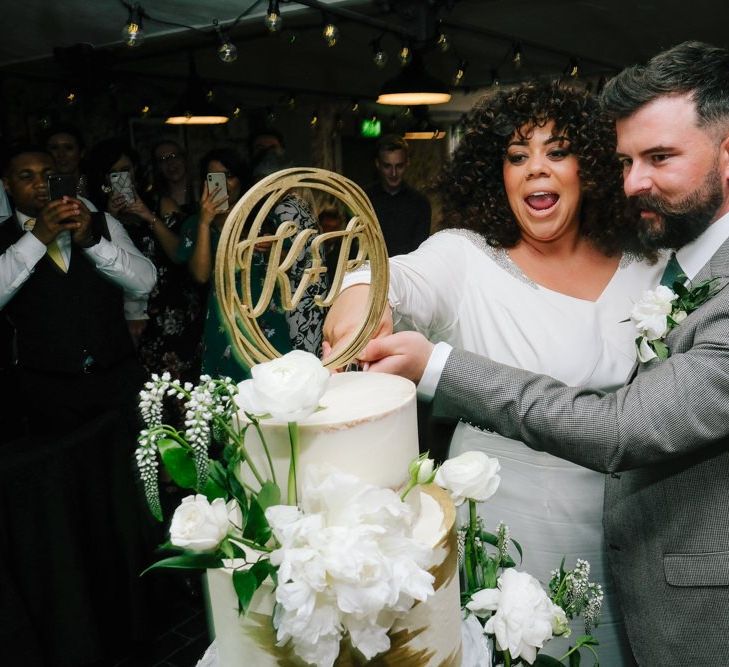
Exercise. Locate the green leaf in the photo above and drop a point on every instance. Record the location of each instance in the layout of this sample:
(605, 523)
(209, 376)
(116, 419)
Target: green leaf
(212, 490)
(245, 584)
(660, 348)
(575, 659)
(188, 562)
(489, 538)
(546, 661)
(178, 462)
(261, 569)
(256, 526)
(519, 550)
(269, 495)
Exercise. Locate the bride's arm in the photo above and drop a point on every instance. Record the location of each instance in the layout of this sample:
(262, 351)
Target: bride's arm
(423, 294)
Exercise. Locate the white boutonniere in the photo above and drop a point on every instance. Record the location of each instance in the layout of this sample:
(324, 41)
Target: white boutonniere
(660, 310)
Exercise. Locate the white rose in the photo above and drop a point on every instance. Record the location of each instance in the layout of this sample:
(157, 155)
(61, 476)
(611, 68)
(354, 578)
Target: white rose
(288, 388)
(199, 525)
(524, 618)
(421, 470)
(650, 314)
(471, 475)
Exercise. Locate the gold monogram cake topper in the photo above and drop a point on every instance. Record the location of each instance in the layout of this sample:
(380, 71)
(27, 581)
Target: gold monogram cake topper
(360, 241)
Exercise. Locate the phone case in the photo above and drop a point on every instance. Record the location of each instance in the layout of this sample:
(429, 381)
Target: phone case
(61, 185)
(121, 183)
(217, 179)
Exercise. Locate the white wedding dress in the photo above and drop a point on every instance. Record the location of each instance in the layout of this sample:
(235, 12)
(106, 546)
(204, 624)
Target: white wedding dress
(456, 288)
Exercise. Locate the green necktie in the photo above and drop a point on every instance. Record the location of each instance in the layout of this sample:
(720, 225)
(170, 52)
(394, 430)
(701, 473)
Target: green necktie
(672, 272)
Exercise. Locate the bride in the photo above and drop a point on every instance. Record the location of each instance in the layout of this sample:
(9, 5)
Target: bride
(535, 272)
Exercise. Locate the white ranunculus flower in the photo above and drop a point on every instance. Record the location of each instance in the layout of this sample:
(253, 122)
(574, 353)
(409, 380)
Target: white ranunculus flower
(524, 617)
(288, 388)
(650, 314)
(198, 524)
(476, 648)
(471, 475)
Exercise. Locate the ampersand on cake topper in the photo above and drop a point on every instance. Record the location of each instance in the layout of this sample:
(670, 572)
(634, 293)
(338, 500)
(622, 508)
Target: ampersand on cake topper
(360, 241)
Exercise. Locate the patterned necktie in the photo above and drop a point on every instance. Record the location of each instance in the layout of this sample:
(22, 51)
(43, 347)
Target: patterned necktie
(53, 250)
(672, 272)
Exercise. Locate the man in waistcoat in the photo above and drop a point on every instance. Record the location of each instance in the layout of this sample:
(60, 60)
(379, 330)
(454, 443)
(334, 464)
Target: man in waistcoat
(64, 273)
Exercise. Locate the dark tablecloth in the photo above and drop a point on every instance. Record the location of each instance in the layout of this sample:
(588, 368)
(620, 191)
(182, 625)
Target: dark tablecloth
(74, 538)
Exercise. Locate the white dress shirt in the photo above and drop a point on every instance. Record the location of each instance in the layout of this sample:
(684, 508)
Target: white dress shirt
(118, 259)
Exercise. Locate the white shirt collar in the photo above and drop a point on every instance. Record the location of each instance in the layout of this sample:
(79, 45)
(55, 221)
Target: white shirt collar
(22, 218)
(693, 256)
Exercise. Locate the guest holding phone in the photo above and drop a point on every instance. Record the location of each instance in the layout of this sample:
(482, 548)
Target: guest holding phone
(200, 236)
(169, 336)
(64, 272)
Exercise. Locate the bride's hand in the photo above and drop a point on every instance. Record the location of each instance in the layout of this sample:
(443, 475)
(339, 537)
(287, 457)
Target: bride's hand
(406, 354)
(346, 316)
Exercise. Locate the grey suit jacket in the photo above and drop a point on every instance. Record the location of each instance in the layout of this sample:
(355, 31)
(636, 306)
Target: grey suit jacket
(664, 439)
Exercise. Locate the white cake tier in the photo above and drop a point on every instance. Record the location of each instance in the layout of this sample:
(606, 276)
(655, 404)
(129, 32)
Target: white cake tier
(428, 635)
(367, 427)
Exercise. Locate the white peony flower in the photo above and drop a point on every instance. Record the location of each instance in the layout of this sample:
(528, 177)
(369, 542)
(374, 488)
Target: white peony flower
(346, 563)
(198, 524)
(288, 388)
(524, 616)
(650, 314)
(471, 475)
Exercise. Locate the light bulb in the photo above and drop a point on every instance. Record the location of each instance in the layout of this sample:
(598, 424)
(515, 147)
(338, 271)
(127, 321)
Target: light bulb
(228, 52)
(405, 55)
(330, 34)
(273, 17)
(132, 34)
(443, 42)
(273, 21)
(458, 76)
(380, 58)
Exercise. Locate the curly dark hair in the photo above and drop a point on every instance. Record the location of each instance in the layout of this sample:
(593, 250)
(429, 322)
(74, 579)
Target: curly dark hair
(472, 185)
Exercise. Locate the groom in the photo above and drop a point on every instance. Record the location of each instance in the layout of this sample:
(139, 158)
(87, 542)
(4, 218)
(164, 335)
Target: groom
(664, 437)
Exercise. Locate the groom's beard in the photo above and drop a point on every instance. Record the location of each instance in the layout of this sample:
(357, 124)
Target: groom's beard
(681, 222)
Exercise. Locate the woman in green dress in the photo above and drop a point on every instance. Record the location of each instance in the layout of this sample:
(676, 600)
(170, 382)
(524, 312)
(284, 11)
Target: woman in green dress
(200, 236)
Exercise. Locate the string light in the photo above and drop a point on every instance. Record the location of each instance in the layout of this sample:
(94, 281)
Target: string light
(314, 121)
(459, 73)
(495, 81)
(330, 34)
(405, 55)
(145, 111)
(132, 32)
(517, 56)
(236, 112)
(573, 69)
(354, 108)
(227, 51)
(379, 57)
(442, 42)
(273, 21)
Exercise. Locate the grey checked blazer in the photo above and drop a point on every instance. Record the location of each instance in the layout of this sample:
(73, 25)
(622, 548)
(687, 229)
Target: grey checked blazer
(664, 439)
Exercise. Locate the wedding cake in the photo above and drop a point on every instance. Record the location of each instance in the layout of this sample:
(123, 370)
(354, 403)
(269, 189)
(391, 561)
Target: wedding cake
(366, 427)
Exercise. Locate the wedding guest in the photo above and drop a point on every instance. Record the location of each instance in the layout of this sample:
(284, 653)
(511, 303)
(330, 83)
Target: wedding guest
(200, 236)
(532, 274)
(170, 337)
(306, 320)
(262, 140)
(66, 144)
(402, 211)
(63, 274)
(664, 435)
(171, 181)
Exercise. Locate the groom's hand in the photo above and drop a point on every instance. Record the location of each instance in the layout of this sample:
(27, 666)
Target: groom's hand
(405, 353)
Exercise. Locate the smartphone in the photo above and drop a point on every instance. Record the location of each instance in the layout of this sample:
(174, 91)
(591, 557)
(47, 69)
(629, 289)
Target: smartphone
(121, 183)
(61, 185)
(216, 179)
